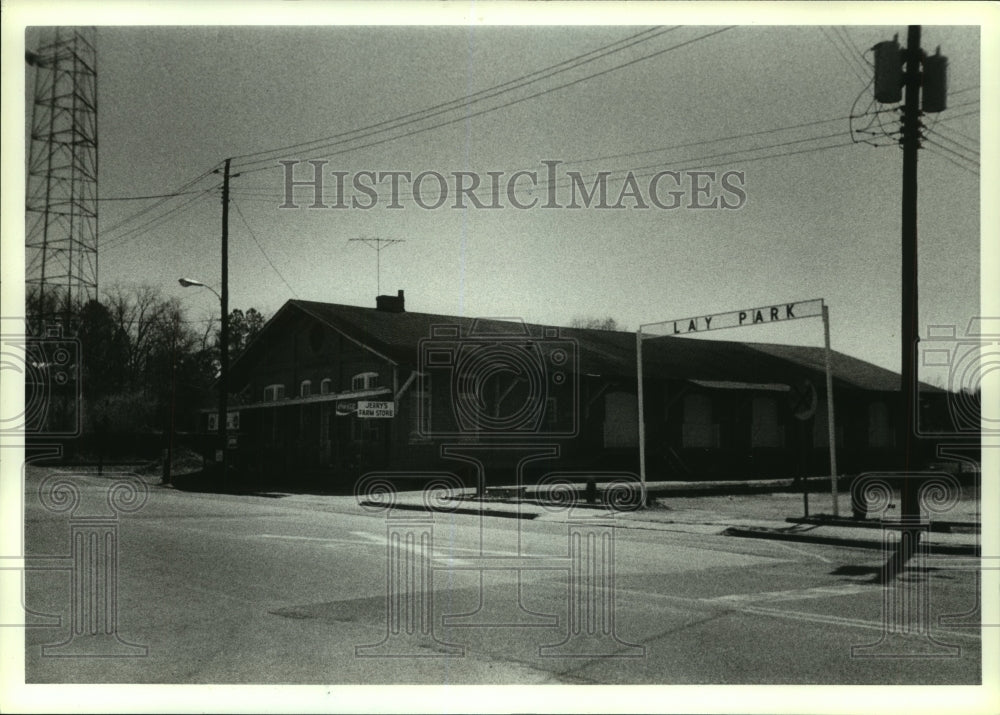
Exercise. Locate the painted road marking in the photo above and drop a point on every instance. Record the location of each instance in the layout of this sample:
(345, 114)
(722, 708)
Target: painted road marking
(381, 541)
(367, 539)
(745, 607)
(796, 594)
(324, 539)
(851, 622)
(798, 550)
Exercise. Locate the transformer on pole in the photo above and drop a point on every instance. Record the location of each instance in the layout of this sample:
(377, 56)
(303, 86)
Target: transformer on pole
(61, 196)
(915, 71)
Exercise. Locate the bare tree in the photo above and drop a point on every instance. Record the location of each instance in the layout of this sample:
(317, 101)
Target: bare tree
(141, 315)
(608, 323)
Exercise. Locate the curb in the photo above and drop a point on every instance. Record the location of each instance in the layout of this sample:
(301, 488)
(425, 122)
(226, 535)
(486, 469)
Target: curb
(457, 510)
(780, 535)
(942, 527)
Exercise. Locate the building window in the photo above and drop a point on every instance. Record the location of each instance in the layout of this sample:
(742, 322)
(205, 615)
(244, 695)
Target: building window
(766, 431)
(272, 393)
(305, 389)
(698, 429)
(879, 428)
(364, 381)
(821, 430)
(326, 386)
(621, 420)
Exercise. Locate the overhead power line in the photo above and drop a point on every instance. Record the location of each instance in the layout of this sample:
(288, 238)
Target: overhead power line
(955, 131)
(952, 151)
(148, 209)
(844, 55)
(960, 165)
(465, 101)
(142, 198)
(141, 230)
(598, 53)
(742, 156)
(941, 135)
(261, 248)
(466, 117)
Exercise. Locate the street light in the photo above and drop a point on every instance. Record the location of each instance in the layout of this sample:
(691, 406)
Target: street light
(188, 282)
(223, 367)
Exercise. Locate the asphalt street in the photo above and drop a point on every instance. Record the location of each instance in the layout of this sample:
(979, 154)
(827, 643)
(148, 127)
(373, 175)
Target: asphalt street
(209, 588)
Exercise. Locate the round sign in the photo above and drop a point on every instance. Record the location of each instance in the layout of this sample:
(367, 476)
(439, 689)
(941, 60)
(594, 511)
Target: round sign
(803, 399)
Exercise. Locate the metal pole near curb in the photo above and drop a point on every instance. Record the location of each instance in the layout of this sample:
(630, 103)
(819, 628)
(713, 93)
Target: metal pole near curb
(831, 428)
(642, 420)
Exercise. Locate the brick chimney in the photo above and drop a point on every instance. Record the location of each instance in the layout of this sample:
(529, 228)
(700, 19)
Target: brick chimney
(390, 303)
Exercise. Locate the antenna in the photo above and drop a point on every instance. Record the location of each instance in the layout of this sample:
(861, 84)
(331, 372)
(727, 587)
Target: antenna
(378, 244)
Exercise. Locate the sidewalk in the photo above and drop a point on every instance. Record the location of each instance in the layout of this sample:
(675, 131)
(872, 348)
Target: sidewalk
(760, 509)
(760, 515)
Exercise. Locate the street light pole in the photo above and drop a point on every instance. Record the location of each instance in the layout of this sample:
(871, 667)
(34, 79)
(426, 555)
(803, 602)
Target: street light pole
(224, 336)
(223, 364)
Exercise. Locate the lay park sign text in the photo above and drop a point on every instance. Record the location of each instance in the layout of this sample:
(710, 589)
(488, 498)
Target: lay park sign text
(803, 399)
(750, 316)
(371, 409)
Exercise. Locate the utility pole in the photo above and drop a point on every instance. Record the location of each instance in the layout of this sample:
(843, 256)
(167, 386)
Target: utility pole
(924, 80)
(909, 334)
(224, 338)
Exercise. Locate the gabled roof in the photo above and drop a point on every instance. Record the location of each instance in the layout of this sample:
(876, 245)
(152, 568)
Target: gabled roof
(397, 336)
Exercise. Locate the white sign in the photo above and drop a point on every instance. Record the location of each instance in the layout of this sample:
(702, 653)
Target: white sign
(370, 409)
(738, 318)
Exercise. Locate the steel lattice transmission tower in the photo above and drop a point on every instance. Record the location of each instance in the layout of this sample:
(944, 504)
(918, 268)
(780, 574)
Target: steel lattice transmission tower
(61, 209)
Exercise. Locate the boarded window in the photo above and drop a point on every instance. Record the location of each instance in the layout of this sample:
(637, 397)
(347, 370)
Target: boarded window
(766, 430)
(879, 428)
(621, 420)
(821, 435)
(274, 392)
(364, 381)
(699, 431)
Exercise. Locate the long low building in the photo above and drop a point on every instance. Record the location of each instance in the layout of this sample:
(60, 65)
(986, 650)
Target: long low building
(329, 392)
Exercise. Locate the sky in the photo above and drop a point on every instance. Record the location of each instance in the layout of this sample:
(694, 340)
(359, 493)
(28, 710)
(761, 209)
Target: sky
(816, 213)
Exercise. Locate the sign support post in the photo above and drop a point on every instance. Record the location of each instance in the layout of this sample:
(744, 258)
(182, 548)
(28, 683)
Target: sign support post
(831, 428)
(735, 319)
(642, 422)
